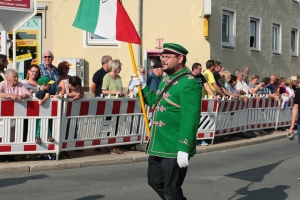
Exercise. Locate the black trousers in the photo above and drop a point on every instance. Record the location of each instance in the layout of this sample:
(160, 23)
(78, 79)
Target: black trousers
(166, 177)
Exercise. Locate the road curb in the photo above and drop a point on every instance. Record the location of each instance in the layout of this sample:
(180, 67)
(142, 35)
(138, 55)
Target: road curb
(136, 157)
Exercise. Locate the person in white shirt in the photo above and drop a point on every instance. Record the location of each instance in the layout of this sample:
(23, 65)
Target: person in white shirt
(33, 74)
(288, 87)
(241, 86)
(243, 89)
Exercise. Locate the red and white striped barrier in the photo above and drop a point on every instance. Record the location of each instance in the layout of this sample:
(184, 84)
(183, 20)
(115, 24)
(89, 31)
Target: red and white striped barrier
(90, 123)
(18, 126)
(262, 114)
(284, 115)
(206, 129)
(231, 117)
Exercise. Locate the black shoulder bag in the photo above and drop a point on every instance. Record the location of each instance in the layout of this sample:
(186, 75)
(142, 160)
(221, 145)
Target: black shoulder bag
(166, 89)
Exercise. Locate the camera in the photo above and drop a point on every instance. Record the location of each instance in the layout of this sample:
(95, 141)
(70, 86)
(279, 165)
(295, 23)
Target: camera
(290, 135)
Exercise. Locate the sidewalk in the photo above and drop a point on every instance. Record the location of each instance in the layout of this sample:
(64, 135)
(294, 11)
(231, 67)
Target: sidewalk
(92, 158)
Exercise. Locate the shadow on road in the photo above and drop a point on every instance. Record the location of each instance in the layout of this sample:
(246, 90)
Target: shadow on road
(92, 197)
(257, 175)
(275, 193)
(16, 181)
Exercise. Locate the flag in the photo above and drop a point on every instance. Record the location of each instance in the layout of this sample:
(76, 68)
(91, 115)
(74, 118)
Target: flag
(106, 18)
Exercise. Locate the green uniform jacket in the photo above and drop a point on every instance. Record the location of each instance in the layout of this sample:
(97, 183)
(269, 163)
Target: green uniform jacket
(176, 117)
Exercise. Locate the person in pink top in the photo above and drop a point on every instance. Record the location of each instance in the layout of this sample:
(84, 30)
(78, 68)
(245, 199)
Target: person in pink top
(282, 87)
(11, 88)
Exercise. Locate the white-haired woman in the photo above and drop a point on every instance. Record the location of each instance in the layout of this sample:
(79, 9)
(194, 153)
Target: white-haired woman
(11, 88)
(112, 83)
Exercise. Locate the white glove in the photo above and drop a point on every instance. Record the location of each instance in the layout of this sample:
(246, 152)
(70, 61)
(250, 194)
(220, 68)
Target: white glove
(139, 81)
(182, 159)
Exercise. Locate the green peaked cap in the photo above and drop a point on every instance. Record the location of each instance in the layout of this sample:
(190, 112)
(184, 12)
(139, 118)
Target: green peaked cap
(173, 48)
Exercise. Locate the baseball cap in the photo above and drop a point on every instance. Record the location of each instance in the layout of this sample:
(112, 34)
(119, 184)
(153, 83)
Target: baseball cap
(45, 79)
(157, 65)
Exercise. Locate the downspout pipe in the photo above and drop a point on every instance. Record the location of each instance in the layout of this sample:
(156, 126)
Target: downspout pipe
(140, 29)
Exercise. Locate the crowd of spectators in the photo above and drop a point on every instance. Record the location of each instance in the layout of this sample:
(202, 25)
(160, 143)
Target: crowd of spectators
(214, 82)
(243, 83)
(42, 81)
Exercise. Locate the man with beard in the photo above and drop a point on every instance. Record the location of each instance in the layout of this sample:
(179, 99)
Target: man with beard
(174, 122)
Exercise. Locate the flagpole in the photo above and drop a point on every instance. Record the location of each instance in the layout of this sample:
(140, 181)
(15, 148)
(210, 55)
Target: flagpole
(139, 89)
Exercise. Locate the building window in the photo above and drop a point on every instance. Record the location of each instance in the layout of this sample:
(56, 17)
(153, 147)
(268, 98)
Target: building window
(276, 38)
(92, 39)
(228, 28)
(294, 42)
(254, 33)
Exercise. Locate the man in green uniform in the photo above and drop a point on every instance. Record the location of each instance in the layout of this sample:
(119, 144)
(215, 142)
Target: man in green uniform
(174, 124)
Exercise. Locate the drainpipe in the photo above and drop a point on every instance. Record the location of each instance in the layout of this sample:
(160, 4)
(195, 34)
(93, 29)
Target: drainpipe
(140, 28)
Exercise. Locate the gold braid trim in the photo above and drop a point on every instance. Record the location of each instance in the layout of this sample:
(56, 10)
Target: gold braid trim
(185, 142)
(171, 103)
(147, 94)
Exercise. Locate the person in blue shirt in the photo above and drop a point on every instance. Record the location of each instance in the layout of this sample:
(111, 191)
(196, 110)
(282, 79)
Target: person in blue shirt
(47, 69)
(154, 78)
(273, 79)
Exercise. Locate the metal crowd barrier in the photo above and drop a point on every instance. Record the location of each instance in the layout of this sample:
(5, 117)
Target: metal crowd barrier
(98, 122)
(262, 114)
(208, 119)
(231, 117)
(18, 126)
(284, 115)
(103, 122)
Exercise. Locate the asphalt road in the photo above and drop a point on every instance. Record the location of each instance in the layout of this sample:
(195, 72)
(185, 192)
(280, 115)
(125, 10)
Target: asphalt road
(267, 171)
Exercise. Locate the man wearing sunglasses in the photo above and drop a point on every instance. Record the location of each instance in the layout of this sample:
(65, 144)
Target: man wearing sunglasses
(47, 69)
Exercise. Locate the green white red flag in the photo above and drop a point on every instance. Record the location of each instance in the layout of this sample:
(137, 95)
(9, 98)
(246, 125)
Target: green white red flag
(106, 18)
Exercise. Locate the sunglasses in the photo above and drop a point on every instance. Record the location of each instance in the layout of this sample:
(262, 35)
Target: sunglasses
(47, 56)
(66, 68)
